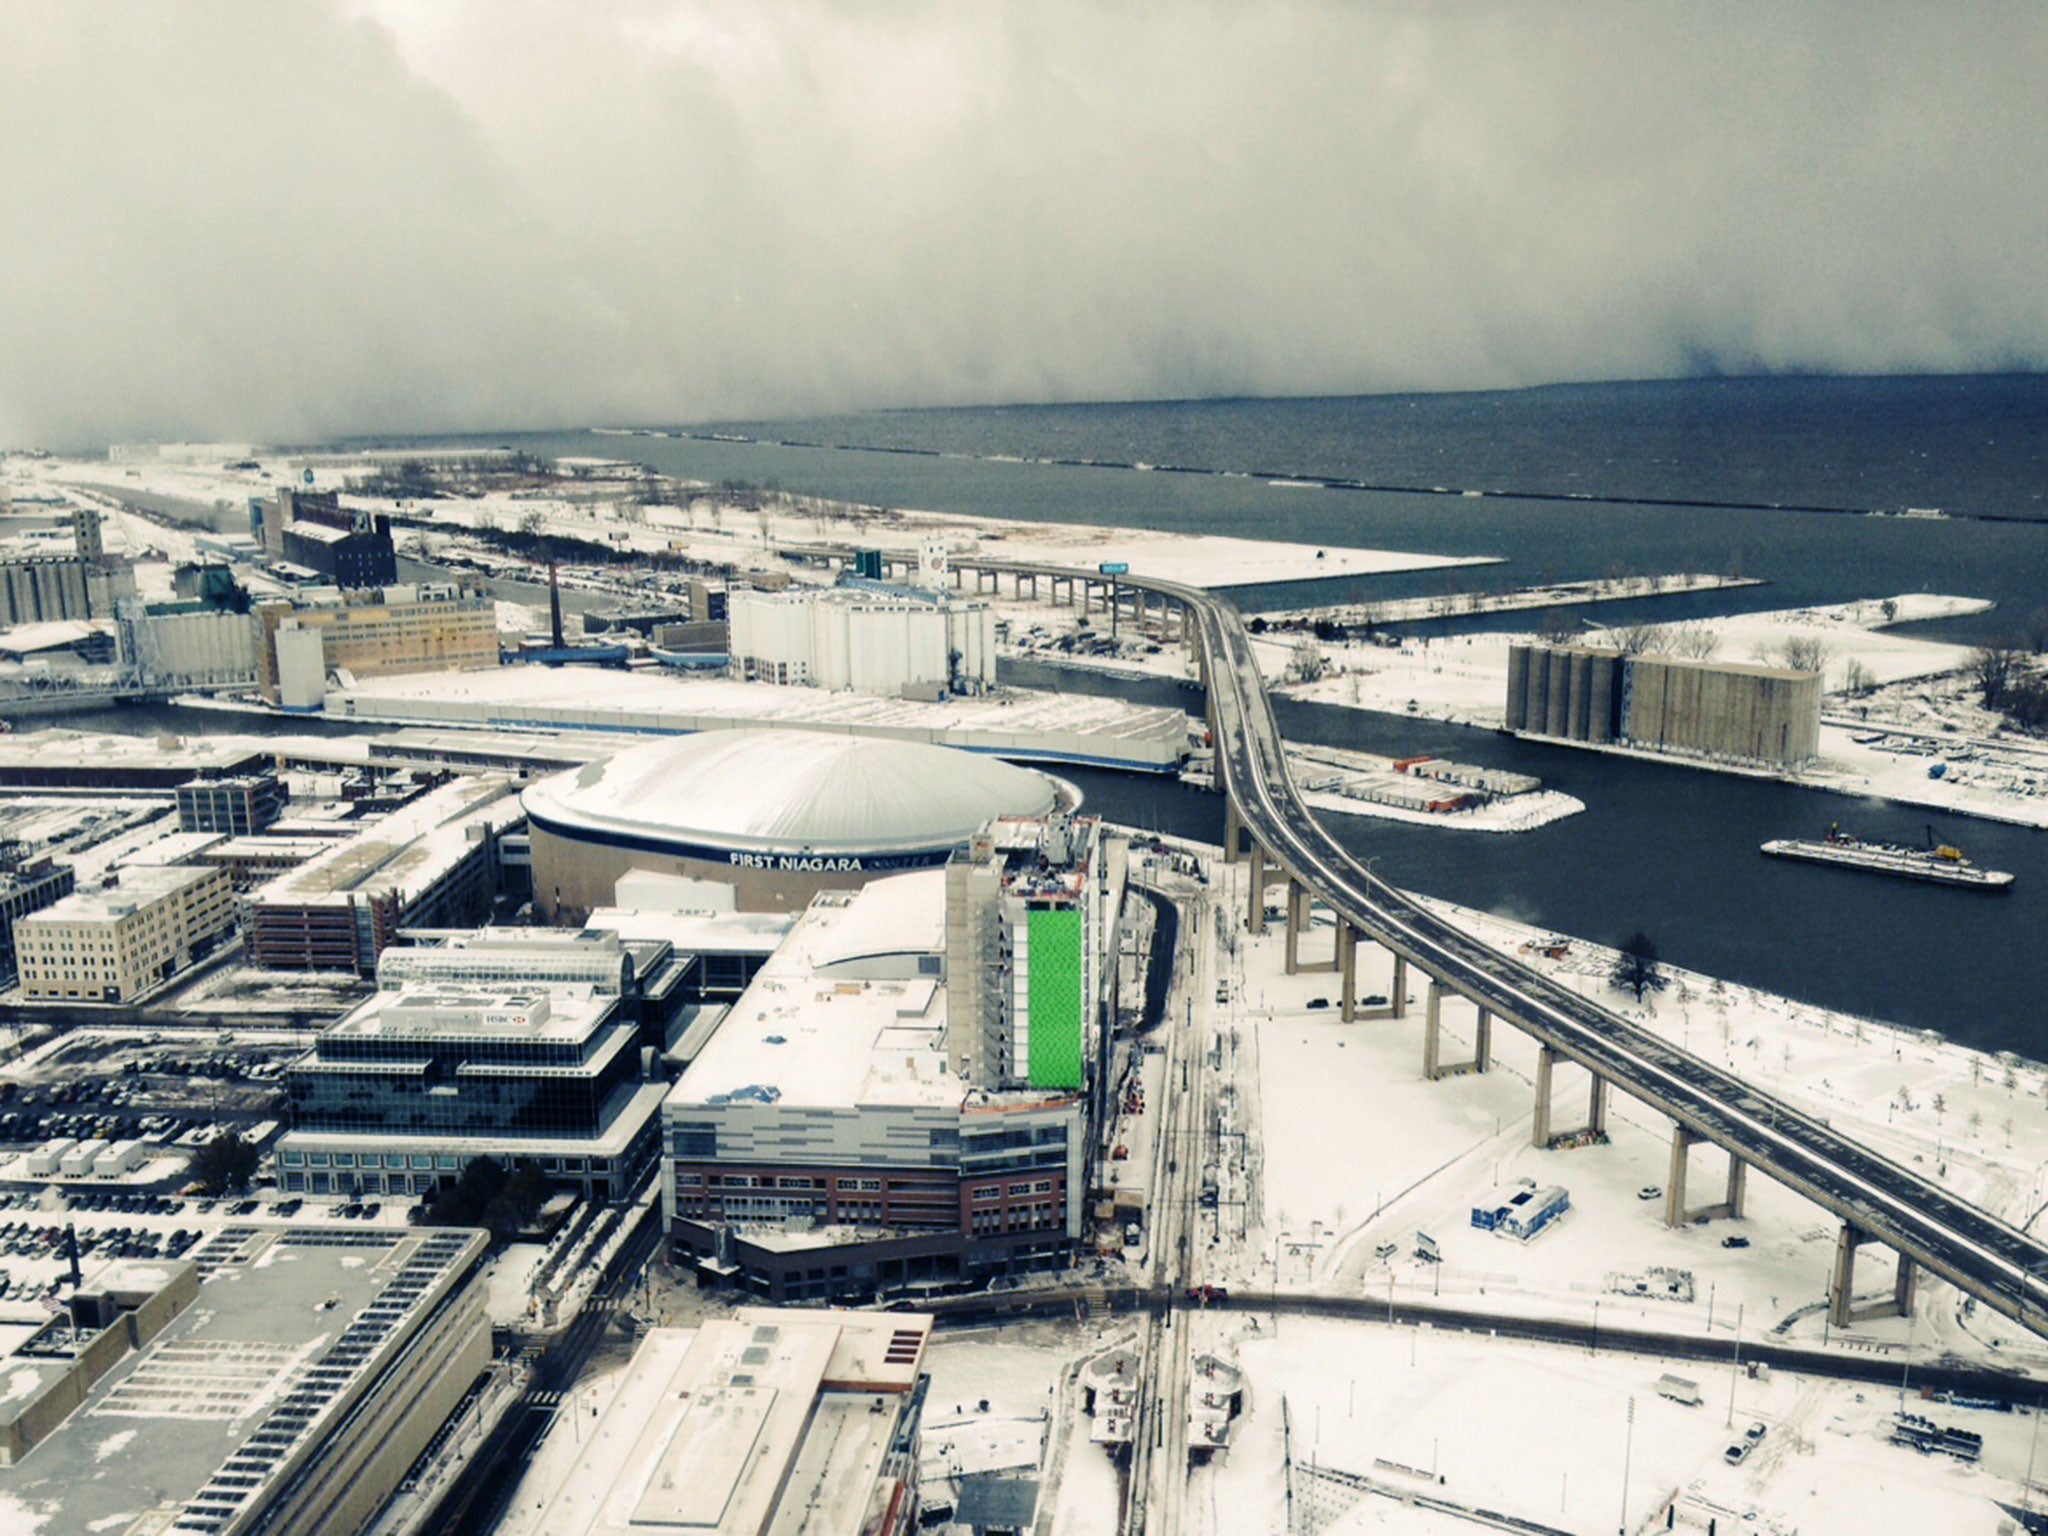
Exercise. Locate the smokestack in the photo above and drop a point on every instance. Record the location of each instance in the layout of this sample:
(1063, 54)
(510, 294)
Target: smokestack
(555, 604)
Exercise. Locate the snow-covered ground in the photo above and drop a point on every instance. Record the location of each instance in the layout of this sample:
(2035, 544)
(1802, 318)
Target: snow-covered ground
(1572, 1441)
(1357, 1150)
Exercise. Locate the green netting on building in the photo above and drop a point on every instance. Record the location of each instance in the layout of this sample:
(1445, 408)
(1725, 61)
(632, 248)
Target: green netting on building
(1055, 998)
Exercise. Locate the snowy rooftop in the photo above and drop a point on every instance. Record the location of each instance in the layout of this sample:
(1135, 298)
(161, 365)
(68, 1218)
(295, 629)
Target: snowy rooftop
(140, 885)
(564, 1014)
(699, 933)
(156, 1428)
(792, 791)
(817, 1040)
(745, 1424)
(51, 634)
(647, 701)
(407, 849)
(175, 848)
(79, 749)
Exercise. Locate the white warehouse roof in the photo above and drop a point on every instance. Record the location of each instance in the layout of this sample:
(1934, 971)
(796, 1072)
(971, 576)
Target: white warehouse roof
(791, 792)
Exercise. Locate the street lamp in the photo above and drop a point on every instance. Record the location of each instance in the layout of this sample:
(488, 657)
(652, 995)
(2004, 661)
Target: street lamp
(1736, 1373)
(1627, 1454)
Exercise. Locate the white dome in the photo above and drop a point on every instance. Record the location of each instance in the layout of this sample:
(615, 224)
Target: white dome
(787, 791)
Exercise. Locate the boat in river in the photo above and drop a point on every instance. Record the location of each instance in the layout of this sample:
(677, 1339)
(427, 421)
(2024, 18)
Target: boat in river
(1937, 862)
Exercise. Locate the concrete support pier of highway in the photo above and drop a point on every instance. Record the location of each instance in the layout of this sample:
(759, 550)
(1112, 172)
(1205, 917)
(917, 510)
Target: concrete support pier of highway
(1300, 912)
(1433, 1064)
(1542, 1134)
(1676, 1213)
(1396, 1005)
(1842, 1308)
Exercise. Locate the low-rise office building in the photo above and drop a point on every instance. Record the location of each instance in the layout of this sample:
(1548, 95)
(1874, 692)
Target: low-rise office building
(122, 943)
(230, 1411)
(408, 1090)
(237, 805)
(651, 979)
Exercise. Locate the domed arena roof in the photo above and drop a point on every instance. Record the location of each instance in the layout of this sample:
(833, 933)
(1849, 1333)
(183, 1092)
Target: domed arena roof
(788, 792)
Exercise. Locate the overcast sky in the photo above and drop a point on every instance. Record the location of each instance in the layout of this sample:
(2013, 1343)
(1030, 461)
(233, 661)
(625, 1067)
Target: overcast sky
(285, 219)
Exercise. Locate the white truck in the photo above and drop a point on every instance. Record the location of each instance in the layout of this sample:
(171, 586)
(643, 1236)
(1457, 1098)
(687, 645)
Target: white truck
(1679, 1390)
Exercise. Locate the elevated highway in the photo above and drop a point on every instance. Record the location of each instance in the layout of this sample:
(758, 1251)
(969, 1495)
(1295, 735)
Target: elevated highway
(1875, 1198)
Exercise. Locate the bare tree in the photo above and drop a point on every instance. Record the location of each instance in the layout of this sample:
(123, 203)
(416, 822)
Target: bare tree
(1308, 662)
(1993, 668)
(1635, 967)
(1889, 608)
(1695, 641)
(1558, 627)
(1804, 653)
(1633, 639)
(1855, 677)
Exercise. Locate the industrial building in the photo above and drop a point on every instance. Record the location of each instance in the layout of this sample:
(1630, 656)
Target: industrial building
(424, 628)
(767, 1421)
(119, 944)
(236, 805)
(866, 637)
(822, 1144)
(37, 588)
(777, 815)
(1024, 941)
(187, 644)
(313, 530)
(231, 1410)
(432, 864)
(27, 884)
(1752, 714)
(412, 1087)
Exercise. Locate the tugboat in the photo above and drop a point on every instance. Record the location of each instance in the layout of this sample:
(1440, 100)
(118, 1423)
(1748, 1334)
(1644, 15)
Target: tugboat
(1937, 862)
